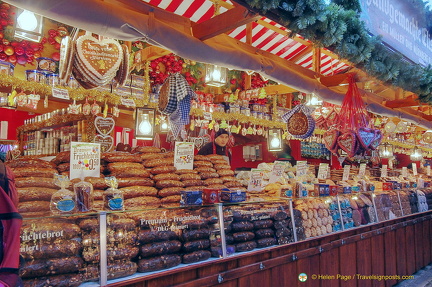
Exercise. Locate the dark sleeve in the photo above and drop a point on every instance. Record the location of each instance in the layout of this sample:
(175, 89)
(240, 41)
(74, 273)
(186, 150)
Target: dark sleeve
(206, 149)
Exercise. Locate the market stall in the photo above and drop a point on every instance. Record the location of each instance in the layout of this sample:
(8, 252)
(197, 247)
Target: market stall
(323, 174)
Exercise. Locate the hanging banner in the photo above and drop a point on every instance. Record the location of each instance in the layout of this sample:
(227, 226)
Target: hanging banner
(183, 155)
(84, 160)
(402, 27)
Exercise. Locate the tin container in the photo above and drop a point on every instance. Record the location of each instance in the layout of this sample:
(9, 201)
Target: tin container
(232, 195)
(35, 76)
(52, 79)
(387, 185)
(333, 190)
(46, 64)
(211, 195)
(191, 197)
(6, 68)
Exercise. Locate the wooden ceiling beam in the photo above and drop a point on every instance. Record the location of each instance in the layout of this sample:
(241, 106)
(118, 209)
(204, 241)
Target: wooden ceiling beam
(407, 102)
(224, 22)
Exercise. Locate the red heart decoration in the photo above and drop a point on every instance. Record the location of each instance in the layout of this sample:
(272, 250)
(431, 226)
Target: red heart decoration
(330, 139)
(348, 143)
(366, 136)
(377, 140)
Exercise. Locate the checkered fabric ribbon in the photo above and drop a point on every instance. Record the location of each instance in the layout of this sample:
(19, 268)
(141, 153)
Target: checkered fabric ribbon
(183, 95)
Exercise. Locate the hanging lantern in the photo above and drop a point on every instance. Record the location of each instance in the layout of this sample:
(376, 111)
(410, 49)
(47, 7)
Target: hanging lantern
(386, 150)
(416, 154)
(216, 76)
(29, 26)
(163, 124)
(274, 140)
(313, 100)
(144, 123)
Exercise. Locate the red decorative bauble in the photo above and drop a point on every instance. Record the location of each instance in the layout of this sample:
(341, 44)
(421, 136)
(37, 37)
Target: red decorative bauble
(12, 59)
(37, 54)
(3, 56)
(30, 53)
(9, 50)
(35, 46)
(22, 60)
(19, 51)
(5, 42)
(4, 22)
(57, 46)
(55, 56)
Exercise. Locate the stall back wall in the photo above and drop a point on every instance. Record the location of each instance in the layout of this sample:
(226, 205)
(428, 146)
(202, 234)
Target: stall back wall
(15, 119)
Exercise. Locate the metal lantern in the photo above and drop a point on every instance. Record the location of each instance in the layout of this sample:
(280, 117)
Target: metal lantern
(386, 150)
(144, 123)
(216, 76)
(416, 154)
(274, 140)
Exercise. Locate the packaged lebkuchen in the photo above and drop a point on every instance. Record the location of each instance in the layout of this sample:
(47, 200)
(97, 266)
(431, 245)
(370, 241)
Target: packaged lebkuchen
(62, 201)
(113, 197)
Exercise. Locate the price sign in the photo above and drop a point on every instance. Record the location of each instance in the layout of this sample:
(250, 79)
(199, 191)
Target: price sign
(183, 155)
(323, 170)
(362, 170)
(414, 168)
(256, 180)
(60, 93)
(384, 171)
(301, 168)
(84, 160)
(404, 172)
(390, 162)
(346, 172)
(428, 170)
(277, 171)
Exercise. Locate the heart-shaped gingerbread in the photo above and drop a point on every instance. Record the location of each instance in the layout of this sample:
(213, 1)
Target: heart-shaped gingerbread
(106, 142)
(348, 143)
(104, 126)
(100, 58)
(377, 140)
(366, 136)
(123, 147)
(330, 139)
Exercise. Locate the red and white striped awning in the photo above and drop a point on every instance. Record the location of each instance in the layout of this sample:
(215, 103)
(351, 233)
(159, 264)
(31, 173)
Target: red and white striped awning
(267, 35)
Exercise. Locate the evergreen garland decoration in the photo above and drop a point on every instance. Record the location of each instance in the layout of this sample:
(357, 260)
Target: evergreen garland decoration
(338, 27)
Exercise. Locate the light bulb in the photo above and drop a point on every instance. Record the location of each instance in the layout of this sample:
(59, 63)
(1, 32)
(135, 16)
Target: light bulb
(216, 74)
(164, 126)
(275, 141)
(145, 127)
(27, 21)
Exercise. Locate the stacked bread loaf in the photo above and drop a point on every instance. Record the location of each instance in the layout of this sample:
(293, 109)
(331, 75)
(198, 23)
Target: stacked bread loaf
(34, 179)
(404, 196)
(121, 238)
(51, 252)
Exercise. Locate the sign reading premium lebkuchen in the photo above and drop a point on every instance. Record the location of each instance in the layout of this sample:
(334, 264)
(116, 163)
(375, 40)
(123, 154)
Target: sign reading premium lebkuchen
(401, 27)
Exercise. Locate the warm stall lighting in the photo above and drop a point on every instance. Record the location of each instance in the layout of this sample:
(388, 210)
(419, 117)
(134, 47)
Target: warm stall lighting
(144, 125)
(274, 140)
(29, 26)
(216, 76)
(163, 127)
(386, 150)
(313, 100)
(416, 154)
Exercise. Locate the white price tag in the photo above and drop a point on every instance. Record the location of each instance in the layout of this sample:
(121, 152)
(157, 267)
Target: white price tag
(404, 172)
(323, 170)
(301, 168)
(384, 171)
(414, 166)
(60, 93)
(84, 160)
(362, 170)
(256, 180)
(277, 171)
(183, 155)
(346, 172)
(428, 170)
(390, 162)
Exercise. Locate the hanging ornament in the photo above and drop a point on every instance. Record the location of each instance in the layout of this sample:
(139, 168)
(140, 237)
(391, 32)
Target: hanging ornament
(115, 111)
(390, 127)
(46, 101)
(86, 109)
(95, 109)
(21, 99)
(11, 98)
(105, 111)
(74, 108)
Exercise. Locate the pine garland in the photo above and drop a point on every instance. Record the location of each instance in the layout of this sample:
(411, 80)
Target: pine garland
(338, 27)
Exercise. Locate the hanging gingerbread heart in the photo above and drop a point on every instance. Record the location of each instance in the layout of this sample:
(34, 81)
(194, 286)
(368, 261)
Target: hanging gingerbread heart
(377, 140)
(95, 109)
(348, 143)
(365, 136)
(330, 139)
(86, 108)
